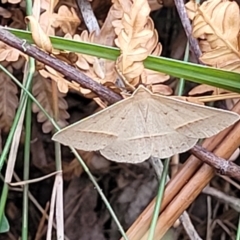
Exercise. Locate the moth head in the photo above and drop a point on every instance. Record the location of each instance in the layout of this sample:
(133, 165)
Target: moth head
(142, 92)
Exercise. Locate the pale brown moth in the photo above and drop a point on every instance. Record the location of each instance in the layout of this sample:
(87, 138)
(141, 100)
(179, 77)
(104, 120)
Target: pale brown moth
(145, 125)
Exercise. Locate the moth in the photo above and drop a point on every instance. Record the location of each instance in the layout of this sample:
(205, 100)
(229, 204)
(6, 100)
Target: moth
(145, 125)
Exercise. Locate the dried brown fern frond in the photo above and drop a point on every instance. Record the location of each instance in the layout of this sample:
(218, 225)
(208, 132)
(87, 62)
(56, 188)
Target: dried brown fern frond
(216, 23)
(42, 90)
(131, 35)
(50, 73)
(100, 70)
(137, 38)
(9, 54)
(8, 101)
(150, 77)
(66, 19)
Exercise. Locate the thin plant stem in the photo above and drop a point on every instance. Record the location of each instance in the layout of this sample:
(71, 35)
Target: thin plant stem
(26, 170)
(28, 120)
(238, 230)
(159, 199)
(59, 216)
(3, 200)
(11, 133)
(181, 83)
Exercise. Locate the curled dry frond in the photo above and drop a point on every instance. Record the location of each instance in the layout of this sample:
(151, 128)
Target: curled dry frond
(40, 38)
(42, 90)
(216, 23)
(8, 101)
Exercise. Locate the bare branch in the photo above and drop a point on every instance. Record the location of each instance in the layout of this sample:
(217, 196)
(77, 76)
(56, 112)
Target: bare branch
(222, 166)
(68, 71)
(188, 28)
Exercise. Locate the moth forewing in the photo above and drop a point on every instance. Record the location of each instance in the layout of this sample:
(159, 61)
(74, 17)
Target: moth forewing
(190, 119)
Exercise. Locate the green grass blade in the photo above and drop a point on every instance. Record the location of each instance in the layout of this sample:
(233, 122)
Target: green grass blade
(193, 72)
(4, 225)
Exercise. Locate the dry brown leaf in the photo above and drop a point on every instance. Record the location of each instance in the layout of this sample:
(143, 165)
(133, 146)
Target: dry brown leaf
(83, 60)
(137, 38)
(17, 19)
(153, 77)
(150, 77)
(48, 4)
(94, 161)
(162, 89)
(42, 90)
(44, 22)
(155, 4)
(5, 13)
(107, 34)
(9, 54)
(200, 89)
(100, 70)
(18, 64)
(72, 169)
(68, 57)
(132, 35)
(217, 22)
(8, 101)
(62, 84)
(152, 45)
(66, 19)
(39, 37)
(11, 1)
(190, 99)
